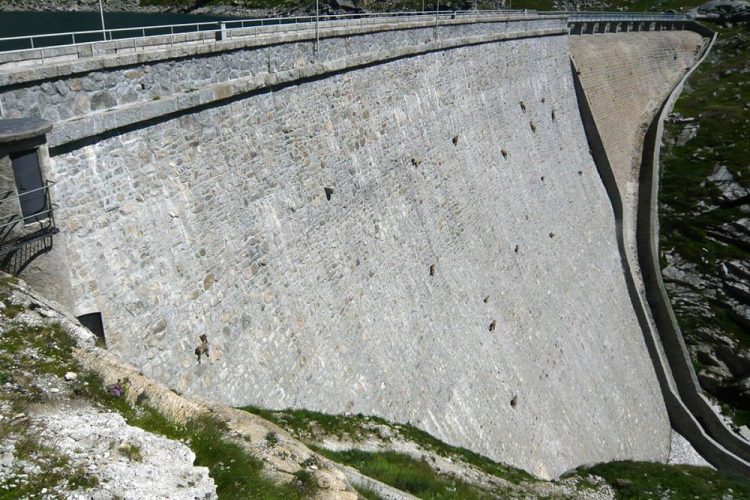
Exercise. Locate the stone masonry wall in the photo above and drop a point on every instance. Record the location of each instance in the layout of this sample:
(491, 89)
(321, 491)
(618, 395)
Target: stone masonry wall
(463, 276)
(79, 89)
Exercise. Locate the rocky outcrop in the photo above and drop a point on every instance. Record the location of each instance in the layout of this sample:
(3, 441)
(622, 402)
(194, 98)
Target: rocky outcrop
(72, 5)
(110, 454)
(723, 360)
(730, 10)
(711, 296)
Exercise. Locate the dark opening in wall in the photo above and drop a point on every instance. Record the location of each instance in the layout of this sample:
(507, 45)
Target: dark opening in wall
(455, 140)
(532, 126)
(29, 183)
(93, 321)
(504, 153)
(554, 117)
(523, 107)
(432, 270)
(329, 192)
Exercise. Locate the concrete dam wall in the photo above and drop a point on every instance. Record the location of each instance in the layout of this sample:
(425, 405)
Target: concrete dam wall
(406, 222)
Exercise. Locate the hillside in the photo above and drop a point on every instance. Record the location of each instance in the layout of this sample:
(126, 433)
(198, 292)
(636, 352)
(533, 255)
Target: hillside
(705, 224)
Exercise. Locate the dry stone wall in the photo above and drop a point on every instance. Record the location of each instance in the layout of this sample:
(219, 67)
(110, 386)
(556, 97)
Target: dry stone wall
(424, 239)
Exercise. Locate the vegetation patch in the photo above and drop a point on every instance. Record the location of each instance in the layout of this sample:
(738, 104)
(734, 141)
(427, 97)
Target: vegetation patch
(236, 473)
(310, 426)
(653, 480)
(27, 352)
(407, 474)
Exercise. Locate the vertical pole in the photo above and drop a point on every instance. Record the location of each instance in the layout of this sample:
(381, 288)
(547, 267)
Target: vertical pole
(317, 29)
(437, 16)
(101, 14)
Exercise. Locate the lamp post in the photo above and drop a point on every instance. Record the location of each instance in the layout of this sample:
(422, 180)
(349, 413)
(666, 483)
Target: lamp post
(317, 19)
(101, 14)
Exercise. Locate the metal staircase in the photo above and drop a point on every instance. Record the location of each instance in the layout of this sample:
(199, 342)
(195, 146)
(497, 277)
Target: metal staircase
(24, 238)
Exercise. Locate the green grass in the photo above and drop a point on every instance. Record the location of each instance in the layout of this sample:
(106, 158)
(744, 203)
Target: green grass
(55, 469)
(652, 480)
(406, 474)
(367, 493)
(356, 428)
(48, 349)
(131, 452)
(42, 349)
(237, 474)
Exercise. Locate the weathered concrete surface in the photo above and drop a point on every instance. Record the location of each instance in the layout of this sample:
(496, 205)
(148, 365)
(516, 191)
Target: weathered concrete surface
(217, 222)
(626, 77)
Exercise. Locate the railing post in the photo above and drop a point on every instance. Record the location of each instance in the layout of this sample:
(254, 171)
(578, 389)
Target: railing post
(317, 28)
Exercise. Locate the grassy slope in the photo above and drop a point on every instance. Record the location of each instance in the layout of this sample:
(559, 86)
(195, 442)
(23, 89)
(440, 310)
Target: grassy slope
(651, 480)
(628, 479)
(396, 469)
(48, 350)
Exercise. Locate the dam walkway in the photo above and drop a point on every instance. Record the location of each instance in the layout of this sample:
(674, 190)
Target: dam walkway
(67, 46)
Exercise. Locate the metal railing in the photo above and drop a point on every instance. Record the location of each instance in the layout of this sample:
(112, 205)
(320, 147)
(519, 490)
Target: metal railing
(277, 25)
(578, 17)
(11, 240)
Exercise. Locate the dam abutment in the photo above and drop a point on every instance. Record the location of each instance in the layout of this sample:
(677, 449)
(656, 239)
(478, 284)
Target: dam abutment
(683, 417)
(666, 321)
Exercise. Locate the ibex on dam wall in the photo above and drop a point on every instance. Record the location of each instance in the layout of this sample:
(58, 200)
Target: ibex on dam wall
(202, 348)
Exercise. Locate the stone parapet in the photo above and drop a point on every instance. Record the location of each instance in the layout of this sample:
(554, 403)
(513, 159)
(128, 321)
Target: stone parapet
(191, 73)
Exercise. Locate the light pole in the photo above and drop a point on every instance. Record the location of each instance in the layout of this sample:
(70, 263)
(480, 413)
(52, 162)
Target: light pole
(317, 19)
(101, 13)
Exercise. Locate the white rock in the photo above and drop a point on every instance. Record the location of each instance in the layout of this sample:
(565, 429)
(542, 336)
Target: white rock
(164, 465)
(47, 313)
(71, 376)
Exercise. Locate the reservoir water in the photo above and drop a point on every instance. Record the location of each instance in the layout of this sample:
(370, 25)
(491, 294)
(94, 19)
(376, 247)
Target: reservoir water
(36, 23)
